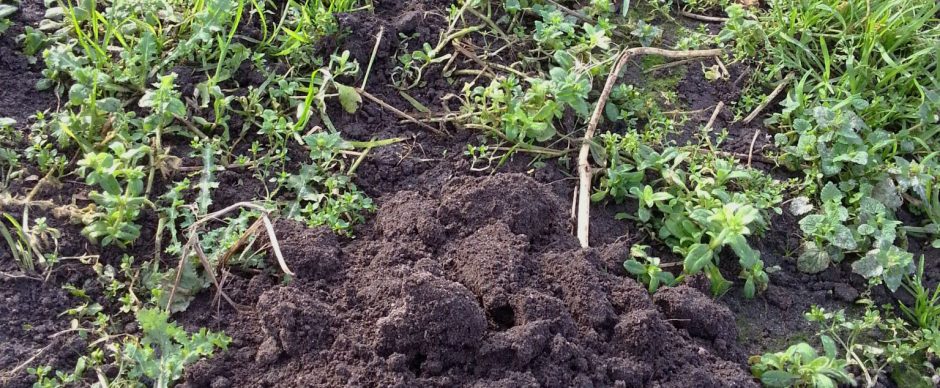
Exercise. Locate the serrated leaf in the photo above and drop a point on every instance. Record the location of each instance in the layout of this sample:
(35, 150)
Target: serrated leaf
(830, 192)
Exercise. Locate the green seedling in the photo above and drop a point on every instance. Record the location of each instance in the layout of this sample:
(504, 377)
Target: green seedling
(647, 271)
(801, 366)
(6, 10)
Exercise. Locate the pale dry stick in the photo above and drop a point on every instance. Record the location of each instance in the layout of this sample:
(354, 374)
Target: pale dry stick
(723, 68)
(750, 150)
(771, 97)
(703, 18)
(276, 246)
(475, 73)
(574, 205)
(10, 276)
(711, 120)
(584, 167)
(214, 216)
(375, 51)
(399, 113)
(26, 363)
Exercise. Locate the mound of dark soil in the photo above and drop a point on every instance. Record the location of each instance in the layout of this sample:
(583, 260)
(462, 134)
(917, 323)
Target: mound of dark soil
(449, 290)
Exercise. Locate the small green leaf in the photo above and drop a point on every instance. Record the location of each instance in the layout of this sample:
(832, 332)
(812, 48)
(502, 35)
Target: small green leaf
(779, 378)
(868, 266)
(829, 346)
(634, 267)
(349, 98)
(698, 257)
(812, 260)
(842, 237)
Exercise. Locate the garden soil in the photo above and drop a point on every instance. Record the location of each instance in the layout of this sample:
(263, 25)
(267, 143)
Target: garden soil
(460, 278)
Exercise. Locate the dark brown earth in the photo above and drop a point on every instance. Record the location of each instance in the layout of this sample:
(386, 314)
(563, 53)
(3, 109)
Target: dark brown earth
(479, 285)
(459, 278)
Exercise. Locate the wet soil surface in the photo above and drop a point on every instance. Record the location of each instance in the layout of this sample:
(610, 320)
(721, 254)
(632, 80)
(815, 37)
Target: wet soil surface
(459, 278)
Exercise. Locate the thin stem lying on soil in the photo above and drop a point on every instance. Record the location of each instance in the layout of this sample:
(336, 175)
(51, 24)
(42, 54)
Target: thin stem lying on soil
(399, 113)
(375, 51)
(584, 166)
(771, 97)
(702, 18)
(711, 120)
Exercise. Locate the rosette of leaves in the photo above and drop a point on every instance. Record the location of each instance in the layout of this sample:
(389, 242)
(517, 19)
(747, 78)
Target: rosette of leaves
(800, 366)
(120, 177)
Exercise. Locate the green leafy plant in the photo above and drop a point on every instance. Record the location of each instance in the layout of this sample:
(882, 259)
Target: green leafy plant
(158, 355)
(321, 195)
(648, 271)
(800, 366)
(119, 175)
(689, 206)
(5, 11)
(646, 33)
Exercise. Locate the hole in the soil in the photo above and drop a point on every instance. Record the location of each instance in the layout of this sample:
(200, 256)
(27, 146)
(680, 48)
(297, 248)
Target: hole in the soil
(503, 316)
(415, 364)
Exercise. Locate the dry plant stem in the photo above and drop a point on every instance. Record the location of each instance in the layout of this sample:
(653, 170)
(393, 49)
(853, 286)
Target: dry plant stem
(469, 54)
(584, 166)
(724, 69)
(711, 120)
(276, 246)
(26, 363)
(192, 127)
(211, 271)
(9, 276)
(493, 26)
(399, 113)
(702, 18)
(375, 51)
(771, 97)
(750, 150)
(193, 244)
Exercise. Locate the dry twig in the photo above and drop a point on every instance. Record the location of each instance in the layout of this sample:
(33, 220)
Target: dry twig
(584, 167)
(399, 113)
(771, 97)
(702, 18)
